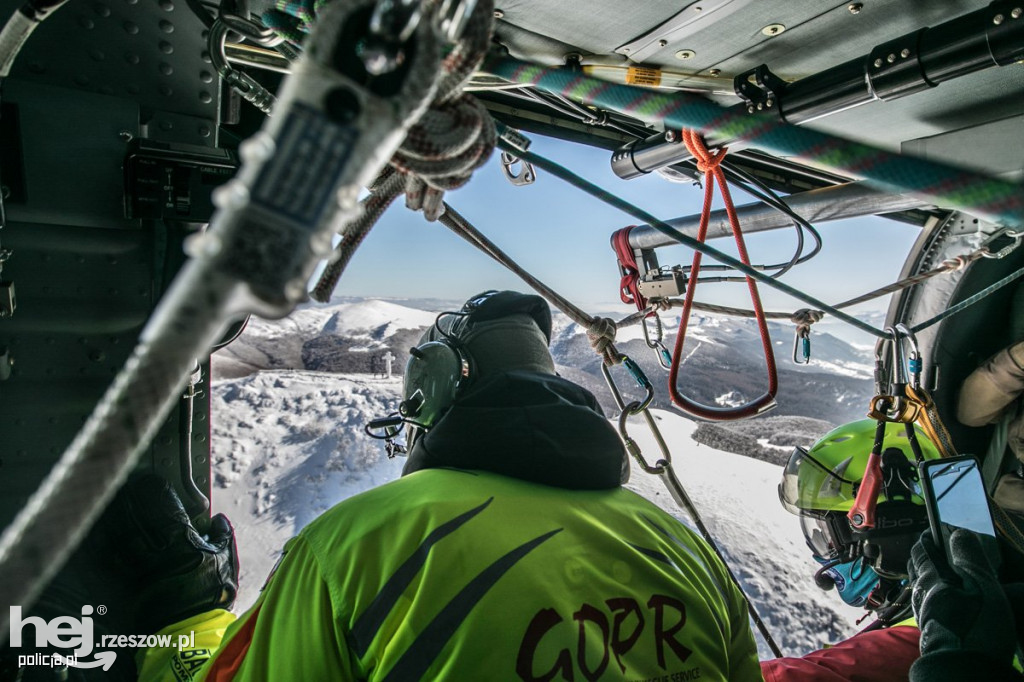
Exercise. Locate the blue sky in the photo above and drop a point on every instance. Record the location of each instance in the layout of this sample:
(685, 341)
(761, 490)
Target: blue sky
(562, 235)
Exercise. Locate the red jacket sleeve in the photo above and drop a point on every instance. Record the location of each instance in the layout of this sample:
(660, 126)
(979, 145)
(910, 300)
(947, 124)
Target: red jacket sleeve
(874, 656)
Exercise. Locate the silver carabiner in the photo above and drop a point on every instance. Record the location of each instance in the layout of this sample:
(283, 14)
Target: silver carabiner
(664, 357)
(1005, 232)
(898, 371)
(914, 361)
(631, 445)
(802, 346)
(634, 449)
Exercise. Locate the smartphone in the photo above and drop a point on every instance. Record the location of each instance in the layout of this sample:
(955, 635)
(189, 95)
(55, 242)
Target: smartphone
(955, 497)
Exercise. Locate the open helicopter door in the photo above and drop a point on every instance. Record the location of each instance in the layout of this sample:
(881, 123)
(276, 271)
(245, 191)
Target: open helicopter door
(108, 155)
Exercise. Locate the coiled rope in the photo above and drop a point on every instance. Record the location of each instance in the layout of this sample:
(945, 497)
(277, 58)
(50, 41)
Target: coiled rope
(453, 138)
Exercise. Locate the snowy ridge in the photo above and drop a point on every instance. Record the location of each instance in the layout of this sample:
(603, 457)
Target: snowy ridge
(382, 318)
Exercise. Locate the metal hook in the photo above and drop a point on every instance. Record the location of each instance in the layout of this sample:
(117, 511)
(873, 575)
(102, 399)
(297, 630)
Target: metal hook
(526, 175)
(898, 370)
(631, 446)
(914, 361)
(1007, 233)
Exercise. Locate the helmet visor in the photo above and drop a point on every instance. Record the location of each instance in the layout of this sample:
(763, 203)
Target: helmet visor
(820, 537)
(819, 483)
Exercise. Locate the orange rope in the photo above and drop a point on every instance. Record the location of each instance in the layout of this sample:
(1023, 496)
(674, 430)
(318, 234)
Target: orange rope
(709, 163)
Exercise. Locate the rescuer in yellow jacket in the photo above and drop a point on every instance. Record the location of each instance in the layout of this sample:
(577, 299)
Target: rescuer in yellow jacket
(507, 551)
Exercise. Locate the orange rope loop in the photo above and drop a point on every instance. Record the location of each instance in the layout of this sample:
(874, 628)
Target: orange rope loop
(709, 163)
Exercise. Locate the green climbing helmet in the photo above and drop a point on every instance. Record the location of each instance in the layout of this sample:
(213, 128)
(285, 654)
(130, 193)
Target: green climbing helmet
(824, 478)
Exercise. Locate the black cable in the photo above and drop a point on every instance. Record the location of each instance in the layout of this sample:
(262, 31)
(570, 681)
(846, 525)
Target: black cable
(782, 268)
(759, 190)
(748, 183)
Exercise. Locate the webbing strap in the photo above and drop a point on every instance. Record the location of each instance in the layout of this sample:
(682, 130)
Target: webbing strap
(629, 285)
(930, 421)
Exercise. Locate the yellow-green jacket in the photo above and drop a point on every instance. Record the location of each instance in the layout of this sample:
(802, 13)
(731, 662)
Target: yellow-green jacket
(465, 575)
(508, 551)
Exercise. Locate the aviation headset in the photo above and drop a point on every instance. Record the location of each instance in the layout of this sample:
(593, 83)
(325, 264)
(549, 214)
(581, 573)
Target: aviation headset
(441, 367)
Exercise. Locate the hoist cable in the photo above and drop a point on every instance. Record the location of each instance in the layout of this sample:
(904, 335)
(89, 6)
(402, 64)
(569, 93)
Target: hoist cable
(600, 330)
(953, 310)
(765, 194)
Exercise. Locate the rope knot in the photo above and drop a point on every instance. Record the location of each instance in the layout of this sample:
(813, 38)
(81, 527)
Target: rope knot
(805, 317)
(441, 151)
(707, 162)
(957, 263)
(601, 333)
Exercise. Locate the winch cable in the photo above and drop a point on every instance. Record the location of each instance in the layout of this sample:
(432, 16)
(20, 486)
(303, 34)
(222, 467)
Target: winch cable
(231, 274)
(951, 265)
(708, 162)
(387, 188)
(997, 201)
(751, 185)
(453, 138)
(967, 302)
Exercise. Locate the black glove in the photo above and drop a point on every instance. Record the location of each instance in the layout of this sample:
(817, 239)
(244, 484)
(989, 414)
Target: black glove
(965, 618)
(178, 572)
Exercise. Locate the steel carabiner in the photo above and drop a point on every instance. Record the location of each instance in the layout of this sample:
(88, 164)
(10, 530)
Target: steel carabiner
(641, 380)
(802, 346)
(914, 361)
(1007, 233)
(664, 357)
(631, 445)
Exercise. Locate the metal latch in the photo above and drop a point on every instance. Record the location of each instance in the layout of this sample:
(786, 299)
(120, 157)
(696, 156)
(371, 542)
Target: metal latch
(662, 284)
(759, 88)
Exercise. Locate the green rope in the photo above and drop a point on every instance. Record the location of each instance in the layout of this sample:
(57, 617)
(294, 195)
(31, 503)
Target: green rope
(967, 302)
(669, 231)
(994, 200)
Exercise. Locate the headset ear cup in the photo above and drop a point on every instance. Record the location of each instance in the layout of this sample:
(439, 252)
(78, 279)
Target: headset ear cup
(433, 377)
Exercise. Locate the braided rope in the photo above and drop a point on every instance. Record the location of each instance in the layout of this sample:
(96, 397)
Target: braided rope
(600, 330)
(454, 136)
(803, 315)
(386, 190)
(442, 150)
(994, 200)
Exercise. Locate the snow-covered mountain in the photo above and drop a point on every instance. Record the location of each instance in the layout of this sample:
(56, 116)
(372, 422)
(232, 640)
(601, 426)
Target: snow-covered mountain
(288, 443)
(723, 358)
